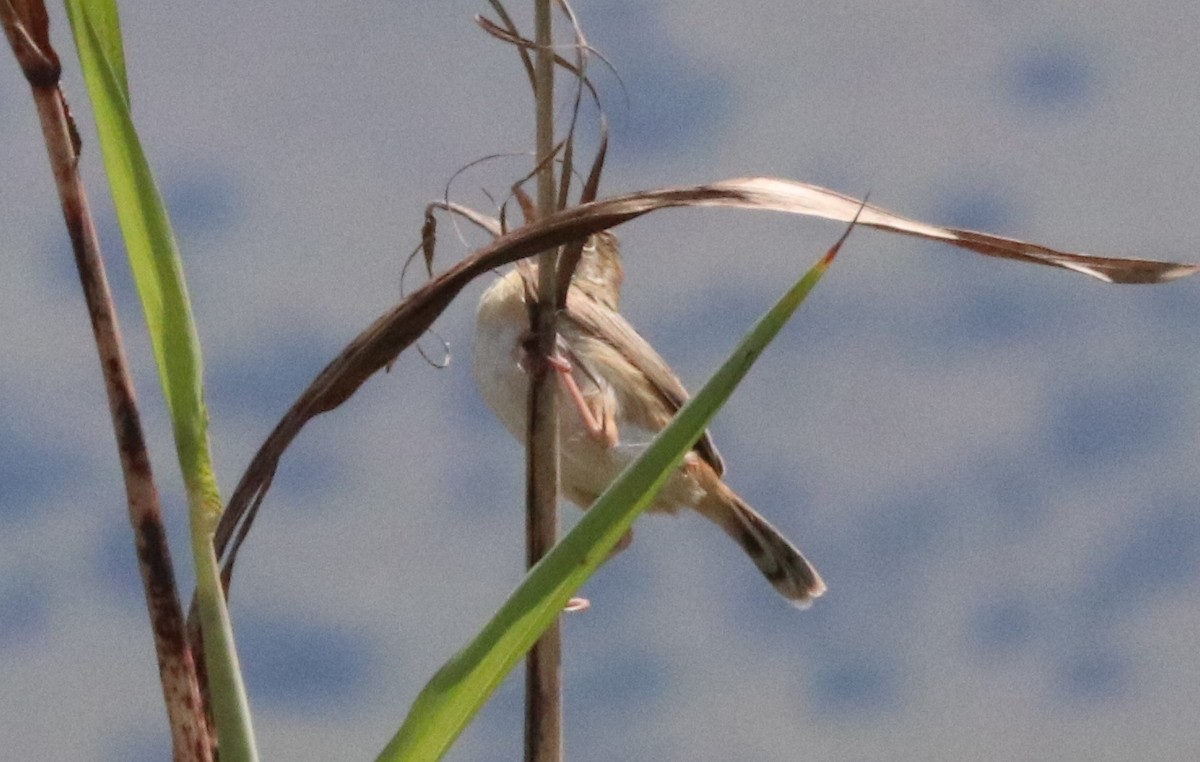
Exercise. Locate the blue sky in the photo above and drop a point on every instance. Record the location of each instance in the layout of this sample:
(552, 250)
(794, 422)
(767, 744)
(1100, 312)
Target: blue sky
(993, 465)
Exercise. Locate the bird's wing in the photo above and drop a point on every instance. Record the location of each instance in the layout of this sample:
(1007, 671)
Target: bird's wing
(605, 330)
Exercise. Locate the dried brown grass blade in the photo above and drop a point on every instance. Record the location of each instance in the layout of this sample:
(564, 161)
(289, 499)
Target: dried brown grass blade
(402, 325)
(782, 195)
(573, 251)
(511, 28)
(509, 34)
(812, 200)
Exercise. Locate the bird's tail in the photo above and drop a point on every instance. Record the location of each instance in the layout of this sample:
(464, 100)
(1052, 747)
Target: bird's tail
(779, 561)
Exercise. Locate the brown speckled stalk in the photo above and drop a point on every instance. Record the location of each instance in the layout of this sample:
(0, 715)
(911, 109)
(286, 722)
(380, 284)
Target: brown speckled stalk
(27, 29)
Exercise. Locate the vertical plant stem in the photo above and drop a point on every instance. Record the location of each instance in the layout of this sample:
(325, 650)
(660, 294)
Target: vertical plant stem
(543, 668)
(29, 39)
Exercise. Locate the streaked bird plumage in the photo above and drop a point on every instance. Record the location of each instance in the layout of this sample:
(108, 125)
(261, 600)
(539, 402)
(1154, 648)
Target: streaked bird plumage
(631, 392)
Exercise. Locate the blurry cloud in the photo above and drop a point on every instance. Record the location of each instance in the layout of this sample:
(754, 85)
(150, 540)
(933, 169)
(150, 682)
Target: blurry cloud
(297, 663)
(263, 379)
(112, 564)
(1002, 627)
(856, 687)
(115, 567)
(904, 529)
(1105, 419)
(992, 315)
(1052, 76)
(25, 609)
(624, 678)
(203, 202)
(1090, 676)
(32, 469)
(1012, 499)
(676, 99)
(137, 744)
(1156, 553)
(976, 205)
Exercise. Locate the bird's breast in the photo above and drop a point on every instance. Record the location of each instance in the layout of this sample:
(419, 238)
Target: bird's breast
(501, 323)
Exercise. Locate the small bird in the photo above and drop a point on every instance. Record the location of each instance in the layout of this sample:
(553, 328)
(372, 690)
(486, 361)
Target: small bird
(617, 393)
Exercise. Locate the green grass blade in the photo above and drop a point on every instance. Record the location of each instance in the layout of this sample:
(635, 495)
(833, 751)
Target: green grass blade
(149, 241)
(158, 273)
(463, 684)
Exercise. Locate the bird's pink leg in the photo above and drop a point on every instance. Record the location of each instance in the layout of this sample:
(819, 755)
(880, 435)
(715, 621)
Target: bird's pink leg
(599, 430)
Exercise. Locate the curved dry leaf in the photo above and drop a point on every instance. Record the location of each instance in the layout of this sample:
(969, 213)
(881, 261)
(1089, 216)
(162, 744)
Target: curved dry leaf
(813, 200)
(787, 196)
(391, 333)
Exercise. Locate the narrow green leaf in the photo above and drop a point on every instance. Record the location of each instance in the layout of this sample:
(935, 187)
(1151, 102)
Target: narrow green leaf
(105, 19)
(464, 683)
(149, 241)
(158, 273)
